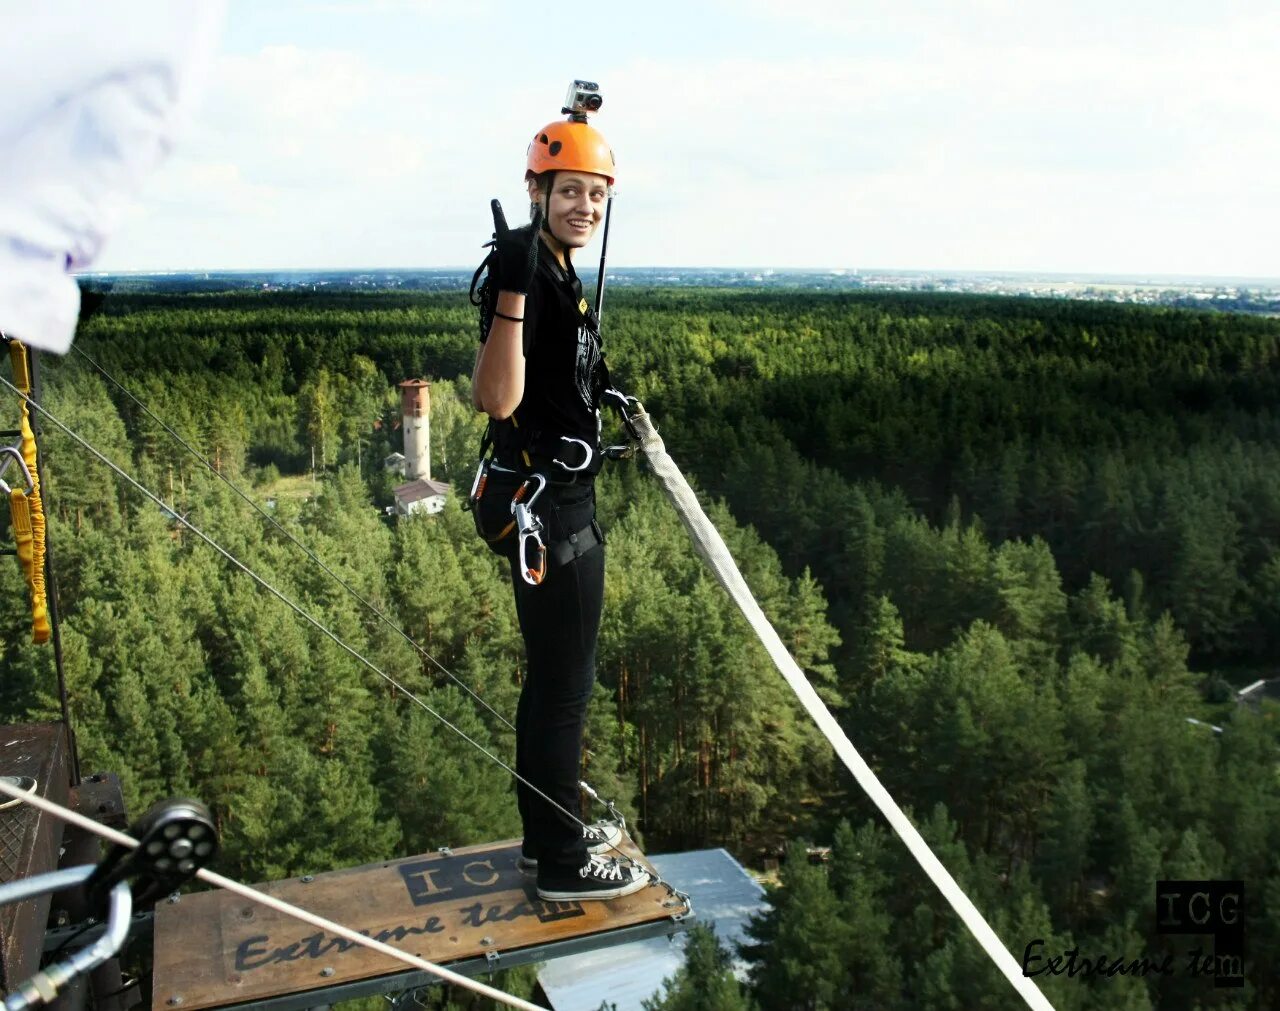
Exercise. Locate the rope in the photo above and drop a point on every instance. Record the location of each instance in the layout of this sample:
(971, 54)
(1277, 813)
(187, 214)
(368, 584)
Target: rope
(271, 902)
(712, 549)
(337, 640)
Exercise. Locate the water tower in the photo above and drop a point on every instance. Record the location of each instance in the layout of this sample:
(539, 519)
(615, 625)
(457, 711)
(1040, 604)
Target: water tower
(415, 410)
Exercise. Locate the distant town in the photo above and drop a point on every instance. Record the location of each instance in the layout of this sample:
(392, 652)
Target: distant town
(1246, 295)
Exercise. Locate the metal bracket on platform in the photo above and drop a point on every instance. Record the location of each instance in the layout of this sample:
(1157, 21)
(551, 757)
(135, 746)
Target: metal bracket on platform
(676, 898)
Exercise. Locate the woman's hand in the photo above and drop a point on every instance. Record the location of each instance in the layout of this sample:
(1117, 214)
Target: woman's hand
(517, 251)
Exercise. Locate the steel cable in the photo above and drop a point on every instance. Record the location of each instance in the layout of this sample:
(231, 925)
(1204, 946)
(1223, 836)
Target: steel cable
(334, 637)
(244, 891)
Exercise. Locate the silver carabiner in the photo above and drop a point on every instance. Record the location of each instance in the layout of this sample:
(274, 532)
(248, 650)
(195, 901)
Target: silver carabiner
(477, 486)
(529, 527)
(9, 454)
(624, 405)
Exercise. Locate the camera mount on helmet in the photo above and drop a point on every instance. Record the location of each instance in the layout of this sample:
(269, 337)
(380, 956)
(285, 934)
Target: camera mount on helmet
(583, 99)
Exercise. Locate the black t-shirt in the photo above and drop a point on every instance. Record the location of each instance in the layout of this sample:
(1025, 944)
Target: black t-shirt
(564, 366)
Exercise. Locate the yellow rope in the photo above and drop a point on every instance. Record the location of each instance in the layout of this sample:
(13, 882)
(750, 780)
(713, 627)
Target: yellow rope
(28, 517)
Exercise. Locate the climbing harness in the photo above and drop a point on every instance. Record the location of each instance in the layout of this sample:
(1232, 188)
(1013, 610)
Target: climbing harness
(551, 458)
(535, 557)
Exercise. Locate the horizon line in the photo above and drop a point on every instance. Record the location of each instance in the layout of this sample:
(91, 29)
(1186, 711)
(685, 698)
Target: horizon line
(754, 269)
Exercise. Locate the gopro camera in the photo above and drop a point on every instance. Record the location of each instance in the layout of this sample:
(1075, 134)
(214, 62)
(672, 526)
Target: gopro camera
(583, 99)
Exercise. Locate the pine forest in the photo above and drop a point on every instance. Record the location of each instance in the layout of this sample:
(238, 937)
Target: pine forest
(1028, 551)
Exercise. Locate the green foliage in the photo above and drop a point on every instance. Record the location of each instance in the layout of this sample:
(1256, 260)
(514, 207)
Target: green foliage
(1009, 541)
(705, 982)
(806, 939)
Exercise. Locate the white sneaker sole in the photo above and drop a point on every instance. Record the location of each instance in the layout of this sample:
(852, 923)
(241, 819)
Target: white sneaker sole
(570, 895)
(528, 865)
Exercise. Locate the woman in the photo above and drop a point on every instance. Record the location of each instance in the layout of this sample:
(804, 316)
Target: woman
(539, 376)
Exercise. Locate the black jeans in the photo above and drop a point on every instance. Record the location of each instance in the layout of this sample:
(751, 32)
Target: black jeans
(560, 622)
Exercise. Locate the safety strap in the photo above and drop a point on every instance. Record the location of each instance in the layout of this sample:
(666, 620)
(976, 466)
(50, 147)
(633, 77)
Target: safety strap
(560, 458)
(530, 450)
(28, 516)
(575, 545)
(710, 545)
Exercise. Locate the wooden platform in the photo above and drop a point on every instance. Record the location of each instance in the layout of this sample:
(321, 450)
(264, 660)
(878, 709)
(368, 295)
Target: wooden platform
(214, 949)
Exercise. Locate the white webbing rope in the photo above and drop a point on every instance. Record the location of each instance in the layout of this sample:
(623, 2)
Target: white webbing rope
(711, 547)
(244, 891)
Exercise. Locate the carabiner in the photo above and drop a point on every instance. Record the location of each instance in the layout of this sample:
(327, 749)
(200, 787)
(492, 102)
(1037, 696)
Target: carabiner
(477, 486)
(529, 528)
(622, 403)
(8, 455)
(587, 454)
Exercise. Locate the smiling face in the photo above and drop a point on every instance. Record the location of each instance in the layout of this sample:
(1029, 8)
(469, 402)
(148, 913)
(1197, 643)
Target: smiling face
(576, 207)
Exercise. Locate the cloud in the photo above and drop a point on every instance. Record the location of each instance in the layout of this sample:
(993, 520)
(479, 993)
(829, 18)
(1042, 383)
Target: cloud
(806, 132)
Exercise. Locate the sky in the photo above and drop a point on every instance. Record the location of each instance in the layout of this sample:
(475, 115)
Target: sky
(1074, 136)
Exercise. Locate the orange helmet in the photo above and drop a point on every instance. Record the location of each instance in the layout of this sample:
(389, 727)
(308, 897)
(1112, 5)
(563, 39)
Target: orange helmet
(565, 144)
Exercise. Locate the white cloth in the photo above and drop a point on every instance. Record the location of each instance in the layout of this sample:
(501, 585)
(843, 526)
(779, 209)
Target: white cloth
(90, 97)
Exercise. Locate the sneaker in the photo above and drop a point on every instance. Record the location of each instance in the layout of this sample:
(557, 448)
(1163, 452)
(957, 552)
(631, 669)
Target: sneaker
(601, 837)
(599, 878)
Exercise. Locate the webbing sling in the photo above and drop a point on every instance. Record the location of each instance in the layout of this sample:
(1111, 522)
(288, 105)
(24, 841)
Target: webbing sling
(26, 508)
(711, 547)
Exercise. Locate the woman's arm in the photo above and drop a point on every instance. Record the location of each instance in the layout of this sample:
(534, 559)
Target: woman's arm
(497, 385)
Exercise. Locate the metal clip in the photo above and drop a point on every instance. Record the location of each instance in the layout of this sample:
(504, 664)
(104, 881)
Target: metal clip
(588, 454)
(676, 898)
(9, 454)
(532, 570)
(615, 815)
(477, 486)
(623, 404)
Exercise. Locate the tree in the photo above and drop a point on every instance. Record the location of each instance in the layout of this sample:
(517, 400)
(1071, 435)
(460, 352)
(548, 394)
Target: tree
(705, 982)
(858, 879)
(800, 960)
(1063, 852)
(320, 416)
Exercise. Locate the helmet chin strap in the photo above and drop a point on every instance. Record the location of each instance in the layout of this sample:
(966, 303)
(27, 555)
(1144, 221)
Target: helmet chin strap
(545, 187)
(554, 241)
